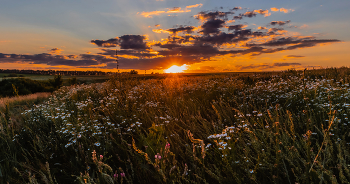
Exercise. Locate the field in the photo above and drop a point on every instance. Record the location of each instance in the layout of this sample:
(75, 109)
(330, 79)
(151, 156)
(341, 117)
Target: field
(286, 127)
(80, 78)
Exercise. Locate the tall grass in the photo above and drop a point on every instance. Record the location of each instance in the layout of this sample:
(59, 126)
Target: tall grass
(23, 100)
(277, 128)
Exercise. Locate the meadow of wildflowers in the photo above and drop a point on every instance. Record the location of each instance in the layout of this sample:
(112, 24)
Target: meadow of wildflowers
(288, 127)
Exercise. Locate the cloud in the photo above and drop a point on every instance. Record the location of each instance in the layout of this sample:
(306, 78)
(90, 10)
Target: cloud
(176, 10)
(249, 14)
(187, 29)
(264, 66)
(236, 27)
(128, 52)
(296, 42)
(222, 38)
(274, 9)
(55, 60)
(55, 51)
(263, 12)
(285, 64)
(293, 56)
(113, 42)
(236, 8)
(209, 15)
(133, 42)
(150, 14)
(212, 26)
(280, 23)
(194, 6)
(125, 42)
(169, 10)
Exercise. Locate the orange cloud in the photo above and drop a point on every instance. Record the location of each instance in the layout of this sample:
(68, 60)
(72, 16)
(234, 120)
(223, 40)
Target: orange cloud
(160, 31)
(263, 12)
(149, 14)
(195, 6)
(177, 10)
(55, 51)
(284, 10)
(274, 9)
(170, 10)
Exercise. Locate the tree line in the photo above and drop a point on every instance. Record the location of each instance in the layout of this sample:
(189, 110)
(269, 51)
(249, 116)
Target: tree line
(23, 86)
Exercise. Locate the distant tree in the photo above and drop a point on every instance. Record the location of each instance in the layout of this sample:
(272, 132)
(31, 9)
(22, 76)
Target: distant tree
(134, 72)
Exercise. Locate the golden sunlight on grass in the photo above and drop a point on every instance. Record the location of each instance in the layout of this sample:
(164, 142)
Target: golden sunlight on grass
(25, 99)
(176, 69)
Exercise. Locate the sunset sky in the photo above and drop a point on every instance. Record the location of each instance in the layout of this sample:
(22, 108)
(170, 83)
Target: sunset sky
(153, 35)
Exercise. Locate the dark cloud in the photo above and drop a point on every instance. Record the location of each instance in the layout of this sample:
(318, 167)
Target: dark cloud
(133, 42)
(137, 53)
(187, 29)
(212, 26)
(3, 55)
(291, 40)
(54, 60)
(113, 42)
(280, 23)
(236, 27)
(125, 42)
(249, 14)
(199, 51)
(55, 51)
(310, 43)
(239, 17)
(222, 38)
(205, 15)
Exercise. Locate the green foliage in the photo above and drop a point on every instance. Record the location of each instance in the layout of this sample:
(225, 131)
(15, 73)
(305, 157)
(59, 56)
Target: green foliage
(23, 86)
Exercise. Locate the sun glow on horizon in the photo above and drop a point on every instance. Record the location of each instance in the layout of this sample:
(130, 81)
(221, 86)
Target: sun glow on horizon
(176, 69)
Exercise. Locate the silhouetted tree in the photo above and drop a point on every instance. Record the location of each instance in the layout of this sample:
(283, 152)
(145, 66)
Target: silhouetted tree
(134, 72)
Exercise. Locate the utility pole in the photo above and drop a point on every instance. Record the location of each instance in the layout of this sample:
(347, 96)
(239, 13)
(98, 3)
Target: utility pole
(116, 59)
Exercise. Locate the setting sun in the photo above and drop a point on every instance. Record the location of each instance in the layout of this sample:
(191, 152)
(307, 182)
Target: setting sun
(176, 69)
